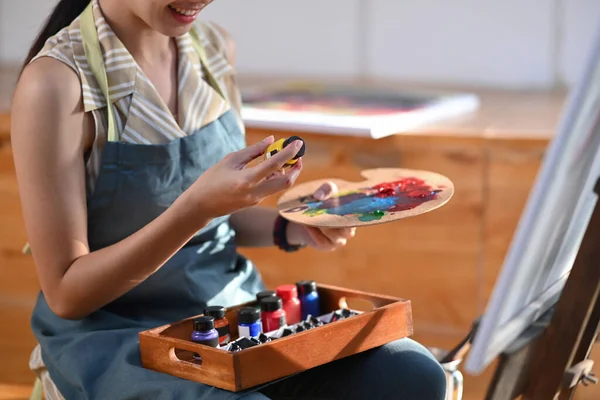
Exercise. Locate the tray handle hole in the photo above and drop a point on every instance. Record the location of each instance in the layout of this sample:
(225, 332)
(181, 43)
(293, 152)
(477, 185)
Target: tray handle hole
(185, 355)
(356, 304)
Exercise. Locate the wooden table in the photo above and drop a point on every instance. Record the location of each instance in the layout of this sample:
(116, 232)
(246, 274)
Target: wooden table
(445, 262)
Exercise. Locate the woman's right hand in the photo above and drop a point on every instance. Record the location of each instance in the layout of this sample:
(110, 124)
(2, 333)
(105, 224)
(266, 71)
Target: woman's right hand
(229, 186)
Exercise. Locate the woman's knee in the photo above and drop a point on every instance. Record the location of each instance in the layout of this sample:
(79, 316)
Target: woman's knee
(411, 370)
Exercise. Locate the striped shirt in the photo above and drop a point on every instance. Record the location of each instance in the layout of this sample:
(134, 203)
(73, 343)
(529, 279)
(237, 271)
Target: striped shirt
(142, 116)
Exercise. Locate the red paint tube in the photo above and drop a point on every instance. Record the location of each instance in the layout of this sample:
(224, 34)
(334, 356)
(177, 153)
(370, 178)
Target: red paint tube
(291, 303)
(272, 314)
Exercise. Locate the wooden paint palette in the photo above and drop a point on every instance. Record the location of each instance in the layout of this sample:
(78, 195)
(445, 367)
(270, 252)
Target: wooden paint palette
(387, 194)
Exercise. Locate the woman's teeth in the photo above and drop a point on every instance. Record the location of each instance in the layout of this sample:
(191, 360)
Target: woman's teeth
(183, 11)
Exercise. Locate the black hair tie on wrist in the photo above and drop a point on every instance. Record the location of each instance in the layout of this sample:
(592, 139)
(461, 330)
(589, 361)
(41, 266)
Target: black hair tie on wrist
(280, 236)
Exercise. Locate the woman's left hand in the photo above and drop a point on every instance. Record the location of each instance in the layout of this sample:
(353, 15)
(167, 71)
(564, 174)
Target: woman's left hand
(325, 239)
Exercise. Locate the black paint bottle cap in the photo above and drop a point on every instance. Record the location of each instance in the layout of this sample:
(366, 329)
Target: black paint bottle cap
(265, 294)
(248, 315)
(204, 323)
(305, 287)
(270, 304)
(217, 312)
(302, 149)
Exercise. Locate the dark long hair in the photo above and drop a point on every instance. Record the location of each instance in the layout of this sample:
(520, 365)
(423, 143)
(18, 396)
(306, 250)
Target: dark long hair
(63, 14)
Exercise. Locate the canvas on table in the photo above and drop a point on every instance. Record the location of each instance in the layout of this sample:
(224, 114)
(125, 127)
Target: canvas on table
(350, 111)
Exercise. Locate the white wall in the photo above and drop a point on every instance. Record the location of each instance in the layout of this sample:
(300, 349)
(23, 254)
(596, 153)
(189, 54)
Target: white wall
(20, 21)
(509, 43)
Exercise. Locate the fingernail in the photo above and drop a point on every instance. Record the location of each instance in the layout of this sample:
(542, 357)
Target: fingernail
(267, 139)
(319, 194)
(298, 144)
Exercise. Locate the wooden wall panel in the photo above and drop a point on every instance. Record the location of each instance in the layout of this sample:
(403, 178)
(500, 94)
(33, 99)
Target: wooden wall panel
(16, 343)
(511, 171)
(17, 274)
(18, 280)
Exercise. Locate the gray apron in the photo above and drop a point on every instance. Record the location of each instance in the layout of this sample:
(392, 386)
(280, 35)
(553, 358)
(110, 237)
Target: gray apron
(98, 357)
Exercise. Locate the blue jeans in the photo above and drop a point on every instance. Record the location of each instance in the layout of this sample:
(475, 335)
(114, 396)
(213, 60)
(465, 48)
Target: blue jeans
(401, 370)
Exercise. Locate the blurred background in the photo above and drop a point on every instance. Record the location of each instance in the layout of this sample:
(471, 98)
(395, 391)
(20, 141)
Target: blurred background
(508, 44)
(519, 57)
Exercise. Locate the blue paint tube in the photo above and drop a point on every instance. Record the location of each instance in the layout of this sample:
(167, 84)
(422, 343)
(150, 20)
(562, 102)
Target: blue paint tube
(309, 298)
(249, 324)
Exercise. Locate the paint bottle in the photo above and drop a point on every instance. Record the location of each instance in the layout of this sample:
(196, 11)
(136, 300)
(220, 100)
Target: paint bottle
(272, 313)
(309, 298)
(221, 322)
(262, 295)
(249, 324)
(205, 333)
(280, 144)
(291, 303)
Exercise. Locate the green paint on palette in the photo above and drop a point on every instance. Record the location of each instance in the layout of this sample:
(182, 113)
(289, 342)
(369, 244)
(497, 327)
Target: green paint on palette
(315, 211)
(373, 216)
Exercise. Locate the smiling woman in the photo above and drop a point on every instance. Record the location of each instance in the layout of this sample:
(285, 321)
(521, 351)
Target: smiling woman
(185, 15)
(136, 194)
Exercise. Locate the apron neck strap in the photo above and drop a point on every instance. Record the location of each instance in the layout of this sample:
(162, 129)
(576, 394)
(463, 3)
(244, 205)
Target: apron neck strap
(212, 81)
(93, 53)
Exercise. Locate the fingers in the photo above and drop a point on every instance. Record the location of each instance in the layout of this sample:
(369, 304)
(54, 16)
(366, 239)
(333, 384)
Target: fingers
(276, 162)
(335, 233)
(278, 181)
(281, 172)
(325, 190)
(329, 239)
(319, 239)
(242, 157)
(338, 236)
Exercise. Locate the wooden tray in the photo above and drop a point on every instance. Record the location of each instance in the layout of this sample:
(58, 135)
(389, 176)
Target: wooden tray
(168, 348)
